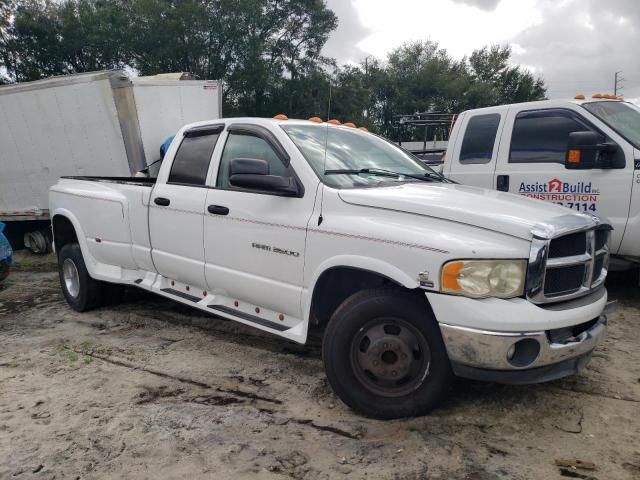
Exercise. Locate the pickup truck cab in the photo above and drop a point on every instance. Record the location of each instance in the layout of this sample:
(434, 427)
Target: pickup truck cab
(583, 154)
(292, 225)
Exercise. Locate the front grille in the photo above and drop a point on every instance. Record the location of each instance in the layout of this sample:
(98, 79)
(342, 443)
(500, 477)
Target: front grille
(598, 264)
(569, 245)
(601, 238)
(570, 265)
(564, 280)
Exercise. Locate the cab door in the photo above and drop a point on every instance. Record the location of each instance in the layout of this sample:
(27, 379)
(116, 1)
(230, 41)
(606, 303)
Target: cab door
(472, 159)
(254, 240)
(176, 218)
(531, 162)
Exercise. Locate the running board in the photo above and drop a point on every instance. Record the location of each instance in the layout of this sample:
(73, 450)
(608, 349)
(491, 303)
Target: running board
(180, 294)
(250, 318)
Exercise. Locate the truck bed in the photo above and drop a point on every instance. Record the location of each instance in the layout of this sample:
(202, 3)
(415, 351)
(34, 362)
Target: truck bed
(141, 181)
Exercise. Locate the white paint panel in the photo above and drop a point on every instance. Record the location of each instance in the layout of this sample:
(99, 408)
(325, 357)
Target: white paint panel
(164, 107)
(51, 132)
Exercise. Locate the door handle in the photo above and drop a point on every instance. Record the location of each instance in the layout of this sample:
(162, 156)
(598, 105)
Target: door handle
(163, 202)
(218, 210)
(502, 183)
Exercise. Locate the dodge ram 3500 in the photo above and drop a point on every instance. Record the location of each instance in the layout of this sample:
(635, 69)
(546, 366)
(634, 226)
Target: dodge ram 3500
(289, 225)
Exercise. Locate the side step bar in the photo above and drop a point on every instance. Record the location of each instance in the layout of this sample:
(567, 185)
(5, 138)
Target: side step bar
(250, 318)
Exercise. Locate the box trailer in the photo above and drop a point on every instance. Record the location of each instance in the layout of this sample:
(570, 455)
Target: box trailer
(102, 123)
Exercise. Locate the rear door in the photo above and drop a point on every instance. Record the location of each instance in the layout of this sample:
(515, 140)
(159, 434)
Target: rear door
(531, 163)
(176, 210)
(472, 159)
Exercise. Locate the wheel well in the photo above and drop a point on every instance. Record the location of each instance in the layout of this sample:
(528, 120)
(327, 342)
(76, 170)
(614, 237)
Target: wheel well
(63, 232)
(336, 285)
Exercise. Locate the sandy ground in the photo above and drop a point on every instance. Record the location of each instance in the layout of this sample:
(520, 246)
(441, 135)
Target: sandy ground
(151, 389)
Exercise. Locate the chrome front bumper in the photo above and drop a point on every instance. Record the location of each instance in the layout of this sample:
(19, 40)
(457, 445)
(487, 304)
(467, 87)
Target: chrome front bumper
(476, 353)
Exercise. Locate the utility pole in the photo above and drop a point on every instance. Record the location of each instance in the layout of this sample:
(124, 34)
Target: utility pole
(617, 83)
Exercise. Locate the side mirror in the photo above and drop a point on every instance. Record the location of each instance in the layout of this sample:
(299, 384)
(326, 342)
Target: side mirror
(586, 150)
(253, 174)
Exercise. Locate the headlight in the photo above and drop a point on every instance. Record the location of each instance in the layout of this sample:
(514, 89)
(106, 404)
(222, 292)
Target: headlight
(484, 278)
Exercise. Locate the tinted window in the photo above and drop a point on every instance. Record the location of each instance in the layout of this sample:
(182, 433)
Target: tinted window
(192, 160)
(248, 146)
(479, 138)
(543, 136)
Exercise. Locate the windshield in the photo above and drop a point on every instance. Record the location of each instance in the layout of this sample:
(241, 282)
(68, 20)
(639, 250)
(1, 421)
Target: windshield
(331, 150)
(623, 117)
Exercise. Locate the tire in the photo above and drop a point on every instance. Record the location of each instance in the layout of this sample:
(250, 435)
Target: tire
(82, 292)
(398, 330)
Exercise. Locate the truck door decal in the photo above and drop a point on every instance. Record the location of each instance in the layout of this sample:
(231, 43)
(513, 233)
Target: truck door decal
(581, 196)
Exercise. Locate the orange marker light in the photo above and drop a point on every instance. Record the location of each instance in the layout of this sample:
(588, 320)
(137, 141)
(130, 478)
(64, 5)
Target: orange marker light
(350, 125)
(364, 129)
(334, 122)
(450, 274)
(579, 97)
(574, 156)
(597, 95)
(315, 120)
(281, 116)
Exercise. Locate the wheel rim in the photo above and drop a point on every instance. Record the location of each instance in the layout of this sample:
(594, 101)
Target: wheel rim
(71, 277)
(390, 357)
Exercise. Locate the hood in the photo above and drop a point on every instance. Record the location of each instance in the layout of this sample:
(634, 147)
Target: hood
(489, 209)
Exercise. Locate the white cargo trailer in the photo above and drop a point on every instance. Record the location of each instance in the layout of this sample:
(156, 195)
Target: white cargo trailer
(102, 123)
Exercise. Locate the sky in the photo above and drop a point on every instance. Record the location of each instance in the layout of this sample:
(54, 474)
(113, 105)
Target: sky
(575, 45)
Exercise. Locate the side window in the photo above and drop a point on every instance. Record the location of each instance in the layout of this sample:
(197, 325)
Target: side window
(240, 145)
(543, 136)
(192, 159)
(479, 139)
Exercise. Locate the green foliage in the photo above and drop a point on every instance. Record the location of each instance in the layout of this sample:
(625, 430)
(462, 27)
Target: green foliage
(268, 52)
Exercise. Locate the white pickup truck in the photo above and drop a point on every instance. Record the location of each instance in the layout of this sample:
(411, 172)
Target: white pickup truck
(289, 225)
(583, 154)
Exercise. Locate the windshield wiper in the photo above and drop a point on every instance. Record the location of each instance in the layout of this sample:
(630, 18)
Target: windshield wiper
(427, 177)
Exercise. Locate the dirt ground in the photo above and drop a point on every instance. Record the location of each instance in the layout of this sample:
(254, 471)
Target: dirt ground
(152, 389)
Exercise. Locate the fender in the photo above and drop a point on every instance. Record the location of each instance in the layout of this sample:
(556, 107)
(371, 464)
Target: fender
(370, 264)
(89, 260)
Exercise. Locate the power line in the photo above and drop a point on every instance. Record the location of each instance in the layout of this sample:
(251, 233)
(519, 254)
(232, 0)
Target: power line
(617, 82)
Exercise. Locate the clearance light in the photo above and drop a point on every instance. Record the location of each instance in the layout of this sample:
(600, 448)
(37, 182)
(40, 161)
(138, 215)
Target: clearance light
(315, 120)
(579, 96)
(349, 124)
(281, 116)
(364, 129)
(334, 122)
(609, 96)
(597, 95)
(574, 156)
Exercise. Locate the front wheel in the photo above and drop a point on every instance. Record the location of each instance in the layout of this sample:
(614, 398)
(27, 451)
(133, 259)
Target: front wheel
(384, 355)
(80, 290)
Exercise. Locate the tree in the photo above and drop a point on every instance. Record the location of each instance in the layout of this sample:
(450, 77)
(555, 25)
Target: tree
(499, 82)
(6, 13)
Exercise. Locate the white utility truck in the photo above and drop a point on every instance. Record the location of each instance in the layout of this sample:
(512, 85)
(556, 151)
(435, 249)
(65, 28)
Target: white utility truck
(583, 154)
(102, 123)
(292, 225)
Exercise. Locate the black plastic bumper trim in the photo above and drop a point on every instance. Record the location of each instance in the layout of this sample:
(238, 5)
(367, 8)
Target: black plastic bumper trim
(547, 373)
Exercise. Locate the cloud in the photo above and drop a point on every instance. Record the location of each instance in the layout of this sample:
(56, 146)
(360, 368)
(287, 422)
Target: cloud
(343, 42)
(481, 4)
(579, 45)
